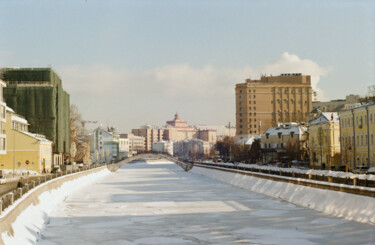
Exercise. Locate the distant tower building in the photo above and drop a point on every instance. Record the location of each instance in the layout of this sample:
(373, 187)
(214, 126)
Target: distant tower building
(38, 95)
(263, 103)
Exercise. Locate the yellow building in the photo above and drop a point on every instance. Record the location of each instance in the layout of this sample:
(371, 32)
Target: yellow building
(23, 147)
(324, 140)
(357, 136)
(261, 104)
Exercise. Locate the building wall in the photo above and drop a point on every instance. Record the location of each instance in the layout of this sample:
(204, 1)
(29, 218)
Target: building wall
(22, 147)
(3, 137)
(357, 136)
(38, 95)
(263, 103)
(151, 136)
(324, 142)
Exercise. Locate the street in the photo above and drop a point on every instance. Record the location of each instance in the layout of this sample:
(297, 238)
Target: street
(159, 203)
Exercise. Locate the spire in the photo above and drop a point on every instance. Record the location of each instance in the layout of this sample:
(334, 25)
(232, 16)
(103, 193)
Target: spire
(176, 117)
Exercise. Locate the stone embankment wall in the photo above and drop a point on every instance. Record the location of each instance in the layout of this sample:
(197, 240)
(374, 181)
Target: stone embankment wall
(31, 197)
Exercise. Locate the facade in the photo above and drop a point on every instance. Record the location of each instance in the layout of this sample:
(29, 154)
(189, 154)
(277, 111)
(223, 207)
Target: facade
(38, 95)
(104, 146)
(191, 149)
(163, 147)
(151, 135)
(261, 104)
(221, 131)
(3, 137)
(136, 143)
(124, 148)
(337, 105)
(24, 146)
(324, 141)
(286, 142)
(357, 127)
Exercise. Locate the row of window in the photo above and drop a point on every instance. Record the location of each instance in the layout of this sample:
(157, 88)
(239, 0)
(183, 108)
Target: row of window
(292, 101)
(359, 121)
(254, 102)
(286, 90)
(249, 96)
(250, 126)
(361, 140)
(249, 108)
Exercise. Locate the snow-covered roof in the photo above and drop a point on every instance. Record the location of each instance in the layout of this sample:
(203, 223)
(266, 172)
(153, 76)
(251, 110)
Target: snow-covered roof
(37, 136)
(19, 119)
(326, 117)
(248, 141)
(286, 129)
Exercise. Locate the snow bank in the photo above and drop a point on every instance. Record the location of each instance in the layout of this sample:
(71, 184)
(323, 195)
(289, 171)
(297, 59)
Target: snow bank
(298, 170)
(31, 221)
(340, 204)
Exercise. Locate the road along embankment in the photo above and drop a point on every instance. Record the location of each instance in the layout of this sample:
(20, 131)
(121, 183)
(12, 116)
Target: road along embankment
(340, 204)
(22, 221)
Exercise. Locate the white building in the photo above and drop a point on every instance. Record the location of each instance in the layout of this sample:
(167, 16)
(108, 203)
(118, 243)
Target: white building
(136, 143)
(104, 146)
(191, 149)
(163, 147)
(124, 148)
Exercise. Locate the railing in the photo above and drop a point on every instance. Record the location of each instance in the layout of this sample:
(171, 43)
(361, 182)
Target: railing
(345, 184)
(8, 199)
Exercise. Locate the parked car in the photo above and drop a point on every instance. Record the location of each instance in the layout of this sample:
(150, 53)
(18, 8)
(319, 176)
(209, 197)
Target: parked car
(3, 180)
(371, 170)
(340, 168)
(56, 170)
(360, 170)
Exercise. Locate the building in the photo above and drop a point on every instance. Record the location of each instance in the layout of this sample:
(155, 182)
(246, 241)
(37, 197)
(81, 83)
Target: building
(38, 95)
(136, 143)
(337, 105)
(151, 135)
(324, 141)
(178, 130)
(124, 148)
(24, 147)
(357, 127)
(261, 104)
(191, 149)
(163, 147)
(3, 137)
(221, 131)
(104, 146)
(286, 142)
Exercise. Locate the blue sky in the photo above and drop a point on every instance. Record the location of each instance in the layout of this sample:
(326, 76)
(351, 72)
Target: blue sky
(126, 63)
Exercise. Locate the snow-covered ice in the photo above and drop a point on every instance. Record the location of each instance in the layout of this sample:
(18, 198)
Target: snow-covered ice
(162, 204)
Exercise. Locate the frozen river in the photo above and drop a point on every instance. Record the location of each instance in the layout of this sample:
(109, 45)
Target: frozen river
(159, 203)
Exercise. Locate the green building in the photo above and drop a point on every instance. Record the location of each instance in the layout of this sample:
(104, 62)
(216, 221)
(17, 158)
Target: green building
(38, 95)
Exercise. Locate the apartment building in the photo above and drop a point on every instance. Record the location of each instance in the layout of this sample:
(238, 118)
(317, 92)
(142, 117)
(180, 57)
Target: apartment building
(3, 137)
(261, 104)
(357, 136)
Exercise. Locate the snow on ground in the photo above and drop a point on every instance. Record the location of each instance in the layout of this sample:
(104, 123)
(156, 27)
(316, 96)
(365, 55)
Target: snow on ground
(30, 222)
(348, 206)
(151, 203)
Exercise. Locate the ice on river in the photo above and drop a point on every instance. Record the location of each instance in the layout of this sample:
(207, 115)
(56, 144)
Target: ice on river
(154, 203)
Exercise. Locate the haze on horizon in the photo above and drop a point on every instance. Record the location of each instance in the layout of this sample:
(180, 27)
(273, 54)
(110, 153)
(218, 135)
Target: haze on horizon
(129, 63)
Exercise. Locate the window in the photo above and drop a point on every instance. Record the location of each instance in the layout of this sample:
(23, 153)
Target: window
(249, 107)
(240, 114)
(255, 113)
(240, 102)
(267, 135)
(272, 102)
(255, 125)
(279, 134)
(249, 102)
(240, 120)
(240, 126)
(251, 131)
(255, 108)
(250, 114)
(254, 102)
(254, 90)
(254, 96)
(249, 90)
(299, 102)
(291, 134)
(240, 91)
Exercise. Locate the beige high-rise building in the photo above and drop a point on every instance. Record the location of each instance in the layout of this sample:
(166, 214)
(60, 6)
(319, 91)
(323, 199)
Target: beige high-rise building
(263, 103)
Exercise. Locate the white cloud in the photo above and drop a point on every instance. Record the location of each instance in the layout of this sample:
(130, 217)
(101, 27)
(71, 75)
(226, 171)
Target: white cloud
(208, 87)
(290, 63)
